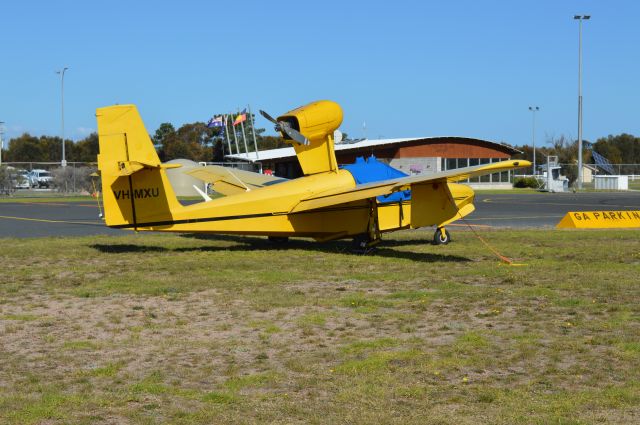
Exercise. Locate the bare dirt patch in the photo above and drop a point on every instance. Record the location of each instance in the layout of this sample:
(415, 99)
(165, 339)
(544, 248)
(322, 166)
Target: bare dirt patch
(191, 334)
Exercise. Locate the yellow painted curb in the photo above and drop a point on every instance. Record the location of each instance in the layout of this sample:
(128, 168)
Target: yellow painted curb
(599, 220)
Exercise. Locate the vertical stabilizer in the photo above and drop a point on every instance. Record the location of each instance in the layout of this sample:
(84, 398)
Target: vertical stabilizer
(136, 190)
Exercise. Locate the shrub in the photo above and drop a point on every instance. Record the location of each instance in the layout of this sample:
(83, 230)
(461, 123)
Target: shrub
(6, 185)
(523, 182)
(73, 179)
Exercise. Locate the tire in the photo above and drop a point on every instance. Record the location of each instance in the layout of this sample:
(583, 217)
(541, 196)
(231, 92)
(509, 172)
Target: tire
(360, 242)
(439, 239)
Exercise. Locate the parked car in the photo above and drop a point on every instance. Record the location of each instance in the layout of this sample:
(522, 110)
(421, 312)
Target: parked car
(40, 178)
(21, 180)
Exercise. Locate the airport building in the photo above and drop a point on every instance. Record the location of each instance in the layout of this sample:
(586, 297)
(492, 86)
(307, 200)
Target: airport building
(412, 156)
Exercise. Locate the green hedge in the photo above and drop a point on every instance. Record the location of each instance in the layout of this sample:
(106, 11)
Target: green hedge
(523, 182)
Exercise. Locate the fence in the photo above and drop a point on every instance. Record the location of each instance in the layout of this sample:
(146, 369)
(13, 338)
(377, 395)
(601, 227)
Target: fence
(76, 177)
(570, 171)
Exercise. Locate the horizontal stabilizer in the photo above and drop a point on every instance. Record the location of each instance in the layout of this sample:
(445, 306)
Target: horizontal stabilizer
(129, 167)
(229, 181)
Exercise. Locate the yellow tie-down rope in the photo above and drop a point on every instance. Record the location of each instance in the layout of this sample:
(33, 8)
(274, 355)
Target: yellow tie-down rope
(505, 260)
(97, 196)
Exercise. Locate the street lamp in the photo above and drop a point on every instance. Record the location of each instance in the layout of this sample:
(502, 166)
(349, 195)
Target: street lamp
(533, 110)
(61, 73)
(1, 139)
(580, 18)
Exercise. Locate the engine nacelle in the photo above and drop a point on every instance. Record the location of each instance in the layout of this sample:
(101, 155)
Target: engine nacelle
(315, 121)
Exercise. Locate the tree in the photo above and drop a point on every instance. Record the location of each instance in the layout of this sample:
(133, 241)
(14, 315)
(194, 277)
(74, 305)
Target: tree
(197, 142)
(194, 141)
(85, 150)
(27, 148)
(51, 148)
(567, 153)
(608, 150)
(173, 148)
(24, 148)
(620, 149)
(160, 138)
(271, 142)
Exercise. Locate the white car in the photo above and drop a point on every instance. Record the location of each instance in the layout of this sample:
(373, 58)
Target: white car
(40, 178)
(21, 180)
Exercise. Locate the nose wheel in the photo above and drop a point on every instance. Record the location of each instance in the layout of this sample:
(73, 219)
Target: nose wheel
(441, 236)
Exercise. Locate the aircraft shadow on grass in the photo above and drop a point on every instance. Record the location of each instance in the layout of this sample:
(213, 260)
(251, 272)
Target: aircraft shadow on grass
(247, 243)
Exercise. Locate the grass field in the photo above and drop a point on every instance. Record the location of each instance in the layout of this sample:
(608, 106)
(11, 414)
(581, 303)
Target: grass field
(181, 329)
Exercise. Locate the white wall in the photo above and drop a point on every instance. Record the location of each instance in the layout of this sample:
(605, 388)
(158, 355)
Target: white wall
(415, 166)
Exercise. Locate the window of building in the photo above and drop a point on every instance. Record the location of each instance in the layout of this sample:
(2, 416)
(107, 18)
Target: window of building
(453, 163)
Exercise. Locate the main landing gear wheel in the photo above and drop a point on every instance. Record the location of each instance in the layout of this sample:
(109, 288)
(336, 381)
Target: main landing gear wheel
(360, 242)
(441, 236)
(366, 242)
(363, 244)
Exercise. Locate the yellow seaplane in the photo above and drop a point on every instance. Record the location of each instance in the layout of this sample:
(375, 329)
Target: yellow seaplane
(359, 201)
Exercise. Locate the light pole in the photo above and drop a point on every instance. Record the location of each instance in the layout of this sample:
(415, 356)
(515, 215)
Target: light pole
(64, 161)
(533, 110)
(580, 18)
(1, 139)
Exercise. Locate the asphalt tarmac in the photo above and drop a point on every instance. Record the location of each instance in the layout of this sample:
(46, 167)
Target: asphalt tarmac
(544, 210)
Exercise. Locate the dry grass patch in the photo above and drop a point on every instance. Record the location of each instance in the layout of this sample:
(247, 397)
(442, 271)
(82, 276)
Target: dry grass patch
(187, 329)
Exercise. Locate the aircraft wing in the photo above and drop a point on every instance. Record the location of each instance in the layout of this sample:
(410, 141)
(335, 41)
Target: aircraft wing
(385, 187)
(229, 181)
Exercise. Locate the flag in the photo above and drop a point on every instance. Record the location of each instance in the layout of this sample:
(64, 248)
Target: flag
(215, 122)
(241, 118)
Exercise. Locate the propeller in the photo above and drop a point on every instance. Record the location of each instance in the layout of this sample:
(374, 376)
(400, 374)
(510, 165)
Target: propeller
(285, 127)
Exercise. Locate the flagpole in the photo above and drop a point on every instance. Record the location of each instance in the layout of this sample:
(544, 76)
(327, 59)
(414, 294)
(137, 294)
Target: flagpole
(235, 137)
(253, 130)
(244, 138)
(226, 134)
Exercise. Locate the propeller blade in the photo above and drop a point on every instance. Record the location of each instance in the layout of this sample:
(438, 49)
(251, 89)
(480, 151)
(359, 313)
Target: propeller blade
(285, 127)
(273, 120)
(269, 117)
(295, 135)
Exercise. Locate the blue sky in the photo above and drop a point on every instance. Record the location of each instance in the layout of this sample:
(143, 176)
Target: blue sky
(406, 68)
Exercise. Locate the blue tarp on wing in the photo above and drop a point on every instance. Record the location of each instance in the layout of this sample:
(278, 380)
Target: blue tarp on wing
(372, 170)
